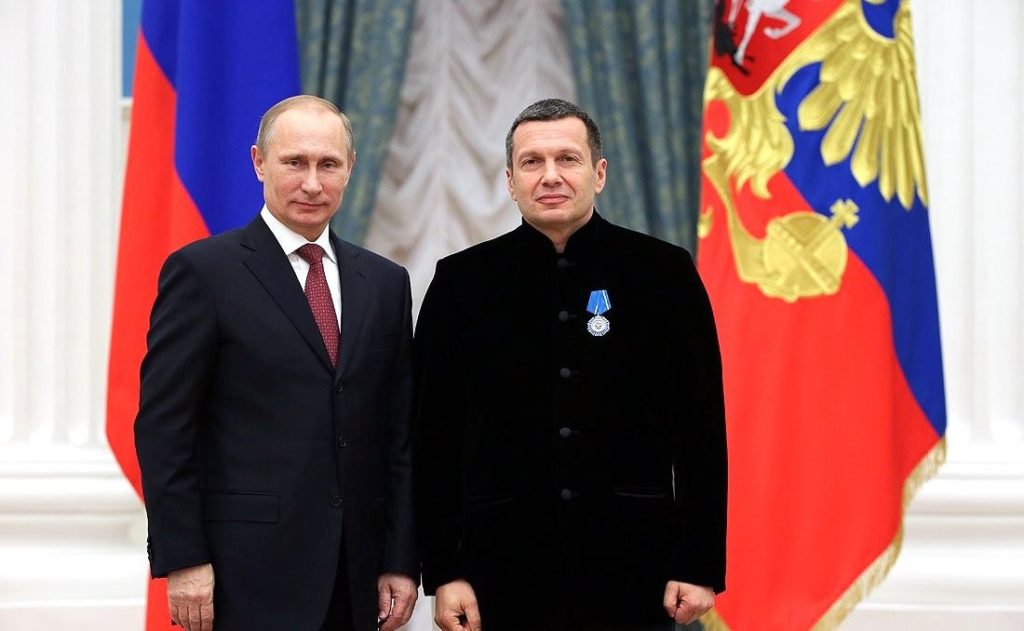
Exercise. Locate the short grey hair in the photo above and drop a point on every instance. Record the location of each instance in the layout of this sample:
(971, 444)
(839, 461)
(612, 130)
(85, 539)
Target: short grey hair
(306, 102)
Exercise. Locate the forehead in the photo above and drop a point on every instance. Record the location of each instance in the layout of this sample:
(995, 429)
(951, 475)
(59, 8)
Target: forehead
(564, 133)
(308, 130)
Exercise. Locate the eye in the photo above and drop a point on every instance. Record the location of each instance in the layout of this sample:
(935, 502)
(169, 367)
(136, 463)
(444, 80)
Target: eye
(293, 162)
(570, 158)
(329, 164)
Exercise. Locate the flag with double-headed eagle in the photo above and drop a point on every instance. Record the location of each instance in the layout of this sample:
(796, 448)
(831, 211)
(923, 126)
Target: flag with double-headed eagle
(815, 249)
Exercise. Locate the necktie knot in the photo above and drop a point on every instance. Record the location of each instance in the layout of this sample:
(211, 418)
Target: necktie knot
(312, 253)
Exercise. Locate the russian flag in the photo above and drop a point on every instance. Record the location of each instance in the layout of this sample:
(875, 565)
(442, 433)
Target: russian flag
(816, 252)
(205, 73)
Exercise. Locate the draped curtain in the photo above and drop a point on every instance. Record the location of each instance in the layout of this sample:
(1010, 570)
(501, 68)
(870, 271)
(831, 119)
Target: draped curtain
(639, 67)
(473, 66)
(353, 52)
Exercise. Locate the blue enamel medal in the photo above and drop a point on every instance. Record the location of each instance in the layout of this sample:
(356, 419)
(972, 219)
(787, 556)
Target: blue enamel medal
(599, 303)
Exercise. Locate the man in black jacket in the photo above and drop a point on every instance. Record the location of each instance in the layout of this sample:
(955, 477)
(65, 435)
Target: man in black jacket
(273, 429)
(571, 441)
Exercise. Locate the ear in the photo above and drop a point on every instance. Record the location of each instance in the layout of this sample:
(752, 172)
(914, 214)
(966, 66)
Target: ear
(599, 174)
(508, 184)
(257, 161)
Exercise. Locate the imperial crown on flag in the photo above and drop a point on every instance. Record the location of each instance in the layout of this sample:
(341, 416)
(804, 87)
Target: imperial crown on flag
(815, 249)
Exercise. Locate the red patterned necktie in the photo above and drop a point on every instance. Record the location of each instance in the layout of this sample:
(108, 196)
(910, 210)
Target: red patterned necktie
(319, 296)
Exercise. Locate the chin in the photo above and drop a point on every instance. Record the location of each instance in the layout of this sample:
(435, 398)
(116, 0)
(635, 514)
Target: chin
(558, 216)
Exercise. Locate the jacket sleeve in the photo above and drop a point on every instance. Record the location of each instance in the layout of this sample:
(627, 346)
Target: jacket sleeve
(701, 469)
(400, 536)
(175, 373)
(440, 422)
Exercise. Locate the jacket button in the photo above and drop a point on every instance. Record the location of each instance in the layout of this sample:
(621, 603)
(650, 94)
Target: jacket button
(339, 387)
(565, 373)
(335, 501)
(342, 442)
(565, 432)
(566, 494)
(563, 315)
(563, 263)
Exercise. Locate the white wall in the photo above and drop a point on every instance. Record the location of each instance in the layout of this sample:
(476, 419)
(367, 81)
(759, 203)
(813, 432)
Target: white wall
(71, 530)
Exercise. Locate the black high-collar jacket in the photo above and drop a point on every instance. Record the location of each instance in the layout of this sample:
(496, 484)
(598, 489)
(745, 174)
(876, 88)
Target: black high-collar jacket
(546, 455)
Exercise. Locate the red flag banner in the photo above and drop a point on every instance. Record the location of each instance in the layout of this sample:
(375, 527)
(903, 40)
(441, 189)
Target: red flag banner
(816, 252)
(205, 72)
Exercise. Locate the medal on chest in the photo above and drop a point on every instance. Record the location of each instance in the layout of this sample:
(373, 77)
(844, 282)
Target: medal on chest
(598, 304)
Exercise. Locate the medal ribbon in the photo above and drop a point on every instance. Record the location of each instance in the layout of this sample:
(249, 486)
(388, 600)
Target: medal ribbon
(599, 302)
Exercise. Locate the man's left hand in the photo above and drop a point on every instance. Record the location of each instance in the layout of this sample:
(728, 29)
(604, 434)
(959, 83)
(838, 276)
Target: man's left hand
(684, 602)
(396, 595)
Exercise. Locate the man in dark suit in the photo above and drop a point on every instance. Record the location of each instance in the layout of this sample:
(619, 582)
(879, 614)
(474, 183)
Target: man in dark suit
(571, 460)
(273, 435)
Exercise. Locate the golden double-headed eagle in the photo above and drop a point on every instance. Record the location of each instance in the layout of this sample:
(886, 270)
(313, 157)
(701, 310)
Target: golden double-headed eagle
(867, 101)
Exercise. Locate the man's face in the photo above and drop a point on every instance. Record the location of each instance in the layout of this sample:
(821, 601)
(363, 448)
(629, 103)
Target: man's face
(553, 179)
(305, 169)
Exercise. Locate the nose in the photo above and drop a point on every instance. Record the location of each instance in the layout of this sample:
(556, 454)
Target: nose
(311, 182)
(551, 177)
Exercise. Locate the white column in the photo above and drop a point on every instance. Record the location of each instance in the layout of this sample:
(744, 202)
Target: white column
(962, 565)
(71, 544)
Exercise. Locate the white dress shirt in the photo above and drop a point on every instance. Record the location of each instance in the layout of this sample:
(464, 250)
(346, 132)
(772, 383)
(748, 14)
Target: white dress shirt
(291, 241)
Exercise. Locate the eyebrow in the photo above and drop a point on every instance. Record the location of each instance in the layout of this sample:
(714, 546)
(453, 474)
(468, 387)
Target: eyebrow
(301, 156)
(556, 151)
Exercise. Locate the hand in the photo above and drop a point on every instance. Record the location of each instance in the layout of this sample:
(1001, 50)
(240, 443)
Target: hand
(190, 597)
(456, 608)
(396, 595)
(685, 602)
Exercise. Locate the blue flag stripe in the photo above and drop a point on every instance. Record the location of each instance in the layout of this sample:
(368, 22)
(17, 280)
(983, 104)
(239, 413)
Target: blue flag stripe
(894, 243)
(229, 61)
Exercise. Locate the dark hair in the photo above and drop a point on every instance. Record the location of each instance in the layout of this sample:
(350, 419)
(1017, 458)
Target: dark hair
(552, 110)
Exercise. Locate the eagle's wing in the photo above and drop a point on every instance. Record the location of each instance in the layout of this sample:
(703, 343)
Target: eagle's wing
(868, 100)
(757, 144)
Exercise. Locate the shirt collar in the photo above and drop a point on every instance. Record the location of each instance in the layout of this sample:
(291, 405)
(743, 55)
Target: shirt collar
(291, 240)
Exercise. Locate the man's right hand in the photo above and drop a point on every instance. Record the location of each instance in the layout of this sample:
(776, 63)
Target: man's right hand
(190, 597)
(456, 608)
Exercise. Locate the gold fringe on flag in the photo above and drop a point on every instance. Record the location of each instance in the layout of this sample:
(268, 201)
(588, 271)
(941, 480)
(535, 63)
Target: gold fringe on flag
(879, 568)
(711, 621)
(877, 571)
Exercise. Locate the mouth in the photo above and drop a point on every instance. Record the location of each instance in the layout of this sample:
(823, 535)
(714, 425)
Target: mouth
(308, 205)
(552, 199)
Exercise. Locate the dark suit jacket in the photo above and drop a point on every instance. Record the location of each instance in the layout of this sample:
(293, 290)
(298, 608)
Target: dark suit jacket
(557, 468)
(255, 452)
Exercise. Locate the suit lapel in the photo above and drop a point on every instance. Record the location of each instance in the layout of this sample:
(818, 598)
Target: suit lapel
(355, 294)
(270, 265)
